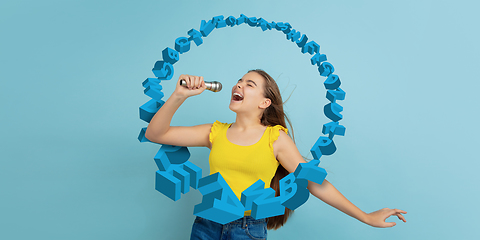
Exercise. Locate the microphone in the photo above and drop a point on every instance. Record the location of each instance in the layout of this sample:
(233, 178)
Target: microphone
(213, 86)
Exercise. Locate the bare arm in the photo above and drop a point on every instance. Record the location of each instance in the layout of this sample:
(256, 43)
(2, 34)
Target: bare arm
(330, 195)
(159, 129)
(288, 155)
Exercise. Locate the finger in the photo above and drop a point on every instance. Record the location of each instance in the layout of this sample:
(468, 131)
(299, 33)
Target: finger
(401, 217)
(192, 82)
(202, 85)
(399, 214)
(394, 212)
(197, 82)
(401, 211)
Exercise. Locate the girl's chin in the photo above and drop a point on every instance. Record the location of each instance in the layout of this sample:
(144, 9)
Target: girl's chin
(232, 102)
(234, 105)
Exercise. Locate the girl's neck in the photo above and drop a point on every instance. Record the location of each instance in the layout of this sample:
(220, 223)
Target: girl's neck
(244, 122)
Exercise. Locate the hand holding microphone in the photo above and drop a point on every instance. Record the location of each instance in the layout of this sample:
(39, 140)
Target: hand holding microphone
(213, 86)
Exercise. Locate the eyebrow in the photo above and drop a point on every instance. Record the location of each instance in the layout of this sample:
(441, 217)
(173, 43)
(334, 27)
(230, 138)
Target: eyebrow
(248, 81)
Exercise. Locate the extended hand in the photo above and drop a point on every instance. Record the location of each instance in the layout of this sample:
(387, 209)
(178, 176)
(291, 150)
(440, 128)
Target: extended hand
(377, 218)
(195, 86)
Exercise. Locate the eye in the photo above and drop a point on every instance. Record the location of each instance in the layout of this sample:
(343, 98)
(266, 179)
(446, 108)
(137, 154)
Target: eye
(250, 85)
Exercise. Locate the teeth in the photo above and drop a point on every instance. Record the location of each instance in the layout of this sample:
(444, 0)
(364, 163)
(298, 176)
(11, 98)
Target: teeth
(237, 96)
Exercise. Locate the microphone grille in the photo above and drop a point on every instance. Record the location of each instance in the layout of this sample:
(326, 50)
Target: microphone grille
(217, 86)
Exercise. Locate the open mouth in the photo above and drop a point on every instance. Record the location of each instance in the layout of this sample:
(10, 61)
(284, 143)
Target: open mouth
(237, 97)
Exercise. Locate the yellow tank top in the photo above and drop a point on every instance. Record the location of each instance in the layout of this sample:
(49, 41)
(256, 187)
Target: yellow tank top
(242, 166)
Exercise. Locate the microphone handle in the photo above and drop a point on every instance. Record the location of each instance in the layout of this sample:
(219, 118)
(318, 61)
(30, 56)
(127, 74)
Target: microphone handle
(213, 86)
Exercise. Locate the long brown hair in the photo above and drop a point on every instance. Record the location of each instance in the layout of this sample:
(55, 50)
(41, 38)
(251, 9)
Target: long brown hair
(274, 115)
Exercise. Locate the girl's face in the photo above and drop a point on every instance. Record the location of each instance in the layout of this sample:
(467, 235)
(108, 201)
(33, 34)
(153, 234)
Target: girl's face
(248, 94)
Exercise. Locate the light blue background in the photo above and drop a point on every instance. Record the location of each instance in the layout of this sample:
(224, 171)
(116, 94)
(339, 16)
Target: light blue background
(70, 87)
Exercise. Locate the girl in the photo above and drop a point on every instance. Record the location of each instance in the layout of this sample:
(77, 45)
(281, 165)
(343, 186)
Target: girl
(256, 146)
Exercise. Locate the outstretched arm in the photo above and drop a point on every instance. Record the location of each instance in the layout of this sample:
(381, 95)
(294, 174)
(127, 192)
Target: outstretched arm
(287, 154)
(330, 195)
(159, 129)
